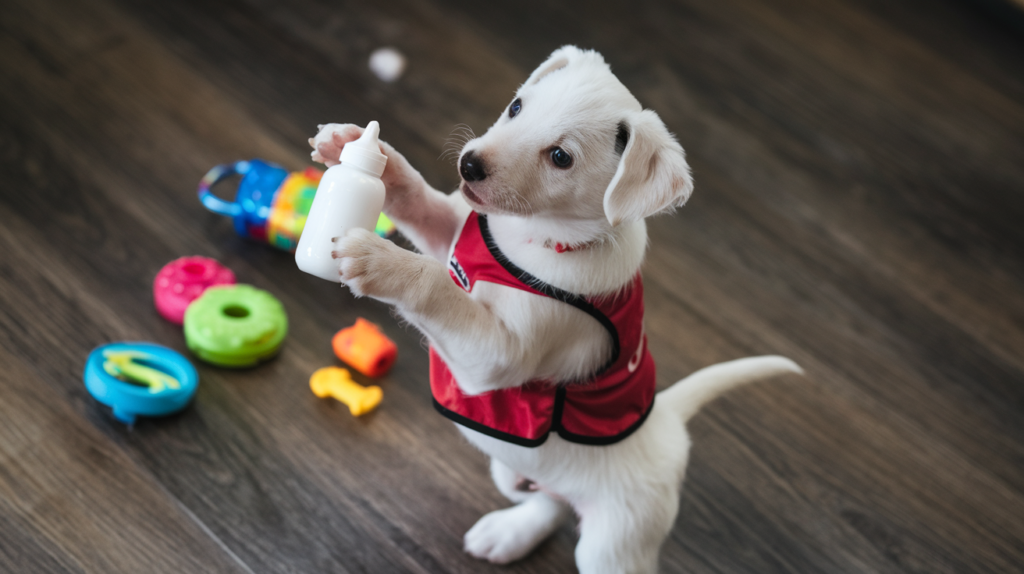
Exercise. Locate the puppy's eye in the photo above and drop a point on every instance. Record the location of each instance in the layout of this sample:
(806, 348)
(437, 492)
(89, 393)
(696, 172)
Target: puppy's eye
(560, 158)
(513, 110)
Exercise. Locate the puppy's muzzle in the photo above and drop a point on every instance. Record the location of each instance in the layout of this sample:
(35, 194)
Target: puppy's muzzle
(472, 167)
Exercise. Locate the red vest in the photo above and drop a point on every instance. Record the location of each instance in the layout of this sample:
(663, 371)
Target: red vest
(602, 409)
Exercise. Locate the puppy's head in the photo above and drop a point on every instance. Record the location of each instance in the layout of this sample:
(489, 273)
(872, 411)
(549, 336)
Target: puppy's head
(575, 144)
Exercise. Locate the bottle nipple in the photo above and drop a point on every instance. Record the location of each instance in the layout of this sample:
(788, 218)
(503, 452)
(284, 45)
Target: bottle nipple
(364, 152)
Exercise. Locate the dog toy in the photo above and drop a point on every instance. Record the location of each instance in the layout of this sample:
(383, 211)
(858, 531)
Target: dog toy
(235, 326)
(350, 195)
(365, 348)
(271, 205)
(337, 382)
(140, 379)
(182, 281)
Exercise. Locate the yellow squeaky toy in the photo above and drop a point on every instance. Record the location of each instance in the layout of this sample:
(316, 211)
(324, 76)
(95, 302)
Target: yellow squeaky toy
(336, 382)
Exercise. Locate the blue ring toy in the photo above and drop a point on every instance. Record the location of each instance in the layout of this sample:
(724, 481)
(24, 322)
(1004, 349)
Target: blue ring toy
(140, 379)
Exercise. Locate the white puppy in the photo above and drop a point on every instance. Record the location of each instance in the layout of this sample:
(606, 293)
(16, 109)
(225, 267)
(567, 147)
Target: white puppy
(528, 289)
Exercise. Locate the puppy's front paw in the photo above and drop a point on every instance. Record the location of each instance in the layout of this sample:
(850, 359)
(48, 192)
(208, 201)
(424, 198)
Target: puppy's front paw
(330, 139)
(370, 265)
(507, 535)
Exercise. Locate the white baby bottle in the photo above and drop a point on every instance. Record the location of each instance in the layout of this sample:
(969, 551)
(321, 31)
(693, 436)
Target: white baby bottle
(350, 195)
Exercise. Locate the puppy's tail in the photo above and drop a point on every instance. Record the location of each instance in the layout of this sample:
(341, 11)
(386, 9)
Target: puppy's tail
(688, 395)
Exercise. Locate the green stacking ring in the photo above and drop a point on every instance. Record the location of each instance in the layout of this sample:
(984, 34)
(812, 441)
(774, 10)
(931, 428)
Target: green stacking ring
(235, 326)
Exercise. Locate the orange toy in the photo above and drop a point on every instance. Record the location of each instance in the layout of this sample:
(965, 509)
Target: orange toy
(365, 348)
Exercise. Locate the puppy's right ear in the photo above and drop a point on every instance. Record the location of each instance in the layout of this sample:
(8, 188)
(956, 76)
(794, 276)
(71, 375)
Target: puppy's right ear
(653, 175)
(556, 61)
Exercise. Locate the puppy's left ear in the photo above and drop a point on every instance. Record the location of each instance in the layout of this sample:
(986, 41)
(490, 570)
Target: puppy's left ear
(558, 59)
(653, 175)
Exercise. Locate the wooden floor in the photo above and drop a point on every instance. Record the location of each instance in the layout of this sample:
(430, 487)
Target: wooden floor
(859, 207)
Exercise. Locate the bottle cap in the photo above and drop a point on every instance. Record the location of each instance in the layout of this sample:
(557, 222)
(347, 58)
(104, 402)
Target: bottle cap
(364, 152)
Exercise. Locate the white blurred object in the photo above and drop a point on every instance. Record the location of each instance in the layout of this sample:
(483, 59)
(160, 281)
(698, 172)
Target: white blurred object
(387, 63)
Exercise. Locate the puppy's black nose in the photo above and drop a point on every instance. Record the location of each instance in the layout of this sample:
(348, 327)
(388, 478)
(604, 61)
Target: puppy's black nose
(472, 167)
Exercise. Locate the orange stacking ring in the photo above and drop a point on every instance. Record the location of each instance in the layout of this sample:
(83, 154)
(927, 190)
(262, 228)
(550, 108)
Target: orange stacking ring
(365, 348)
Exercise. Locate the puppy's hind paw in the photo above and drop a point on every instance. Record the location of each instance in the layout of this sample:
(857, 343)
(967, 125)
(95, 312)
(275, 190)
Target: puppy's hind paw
(507, 535)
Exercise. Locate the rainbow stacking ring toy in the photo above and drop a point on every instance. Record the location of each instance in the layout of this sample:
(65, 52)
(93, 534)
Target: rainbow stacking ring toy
(235, 326)
(271, 205)
(182, 281)
(140, 379)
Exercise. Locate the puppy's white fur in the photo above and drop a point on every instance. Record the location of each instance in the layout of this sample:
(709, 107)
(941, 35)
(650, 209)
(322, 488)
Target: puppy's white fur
(626, 494)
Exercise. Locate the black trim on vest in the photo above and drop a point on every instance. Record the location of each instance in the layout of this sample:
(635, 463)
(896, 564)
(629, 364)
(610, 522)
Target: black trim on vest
(494, 433)
(554, 292)
(556, 426)
(556, 415)
(603, 440)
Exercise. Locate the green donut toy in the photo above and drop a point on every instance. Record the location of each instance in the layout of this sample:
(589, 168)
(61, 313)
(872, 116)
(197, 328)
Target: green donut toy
(235, 326)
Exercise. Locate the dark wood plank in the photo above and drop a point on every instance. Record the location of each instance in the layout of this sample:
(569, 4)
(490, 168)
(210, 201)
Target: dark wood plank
(858, 168)
(70, 501)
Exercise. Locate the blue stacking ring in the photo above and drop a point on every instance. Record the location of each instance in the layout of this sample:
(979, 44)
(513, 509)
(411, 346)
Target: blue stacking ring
(140, 379)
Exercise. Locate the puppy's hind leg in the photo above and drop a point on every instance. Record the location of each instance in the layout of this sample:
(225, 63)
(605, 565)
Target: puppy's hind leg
(623, 536)
(509, 482)
(509, 534)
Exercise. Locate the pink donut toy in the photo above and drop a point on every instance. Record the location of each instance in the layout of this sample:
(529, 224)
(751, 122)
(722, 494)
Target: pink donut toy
(183, 280)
